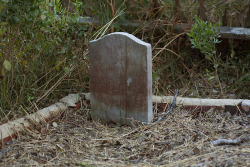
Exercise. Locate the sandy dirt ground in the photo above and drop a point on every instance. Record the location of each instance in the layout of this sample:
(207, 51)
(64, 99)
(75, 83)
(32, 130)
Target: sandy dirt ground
(180, 139)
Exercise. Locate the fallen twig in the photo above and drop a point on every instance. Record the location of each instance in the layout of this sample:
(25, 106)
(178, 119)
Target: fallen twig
(169, 110)
(236, 141)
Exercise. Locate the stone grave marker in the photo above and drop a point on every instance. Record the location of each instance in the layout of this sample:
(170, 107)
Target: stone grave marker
(120, 79)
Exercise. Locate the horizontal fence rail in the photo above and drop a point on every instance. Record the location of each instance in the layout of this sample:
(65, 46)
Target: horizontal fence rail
(225, 32)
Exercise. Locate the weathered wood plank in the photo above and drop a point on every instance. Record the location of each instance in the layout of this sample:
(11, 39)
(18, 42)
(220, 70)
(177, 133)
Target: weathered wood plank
(226, 32)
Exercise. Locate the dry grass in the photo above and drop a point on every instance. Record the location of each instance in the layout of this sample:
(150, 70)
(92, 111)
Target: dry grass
(179, 140)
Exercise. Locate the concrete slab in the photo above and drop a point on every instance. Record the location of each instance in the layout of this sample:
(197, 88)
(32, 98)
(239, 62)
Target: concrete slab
(121, 78)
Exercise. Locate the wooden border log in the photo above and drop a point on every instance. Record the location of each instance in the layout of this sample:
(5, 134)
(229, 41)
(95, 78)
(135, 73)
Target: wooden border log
(184, 101)
(12, 129)
(231, 105)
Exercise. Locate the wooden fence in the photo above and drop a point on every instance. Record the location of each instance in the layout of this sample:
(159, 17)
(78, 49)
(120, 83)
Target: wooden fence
(242, 32)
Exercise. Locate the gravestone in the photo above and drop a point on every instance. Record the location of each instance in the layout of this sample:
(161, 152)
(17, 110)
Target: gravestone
(120, 79)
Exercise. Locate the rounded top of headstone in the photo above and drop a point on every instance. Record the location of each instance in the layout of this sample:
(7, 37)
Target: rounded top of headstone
(126, 35)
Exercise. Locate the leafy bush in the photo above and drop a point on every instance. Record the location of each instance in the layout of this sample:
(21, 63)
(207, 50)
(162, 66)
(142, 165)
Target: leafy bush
(204, 36)
(38, 49)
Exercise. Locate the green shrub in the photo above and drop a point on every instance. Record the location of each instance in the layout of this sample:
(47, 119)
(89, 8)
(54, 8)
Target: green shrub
(204, 36)
(39, 46)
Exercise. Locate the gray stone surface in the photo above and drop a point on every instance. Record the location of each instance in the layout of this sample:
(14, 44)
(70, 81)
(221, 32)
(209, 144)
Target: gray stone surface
(120, 79)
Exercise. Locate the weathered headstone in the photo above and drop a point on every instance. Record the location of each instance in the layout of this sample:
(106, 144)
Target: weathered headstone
(121, 79)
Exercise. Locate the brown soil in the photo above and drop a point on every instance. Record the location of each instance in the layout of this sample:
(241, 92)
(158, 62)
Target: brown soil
(181, 139)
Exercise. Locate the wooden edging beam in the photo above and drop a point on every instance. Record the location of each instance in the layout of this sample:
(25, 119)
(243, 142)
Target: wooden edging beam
(14, 128)
(231, 105)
